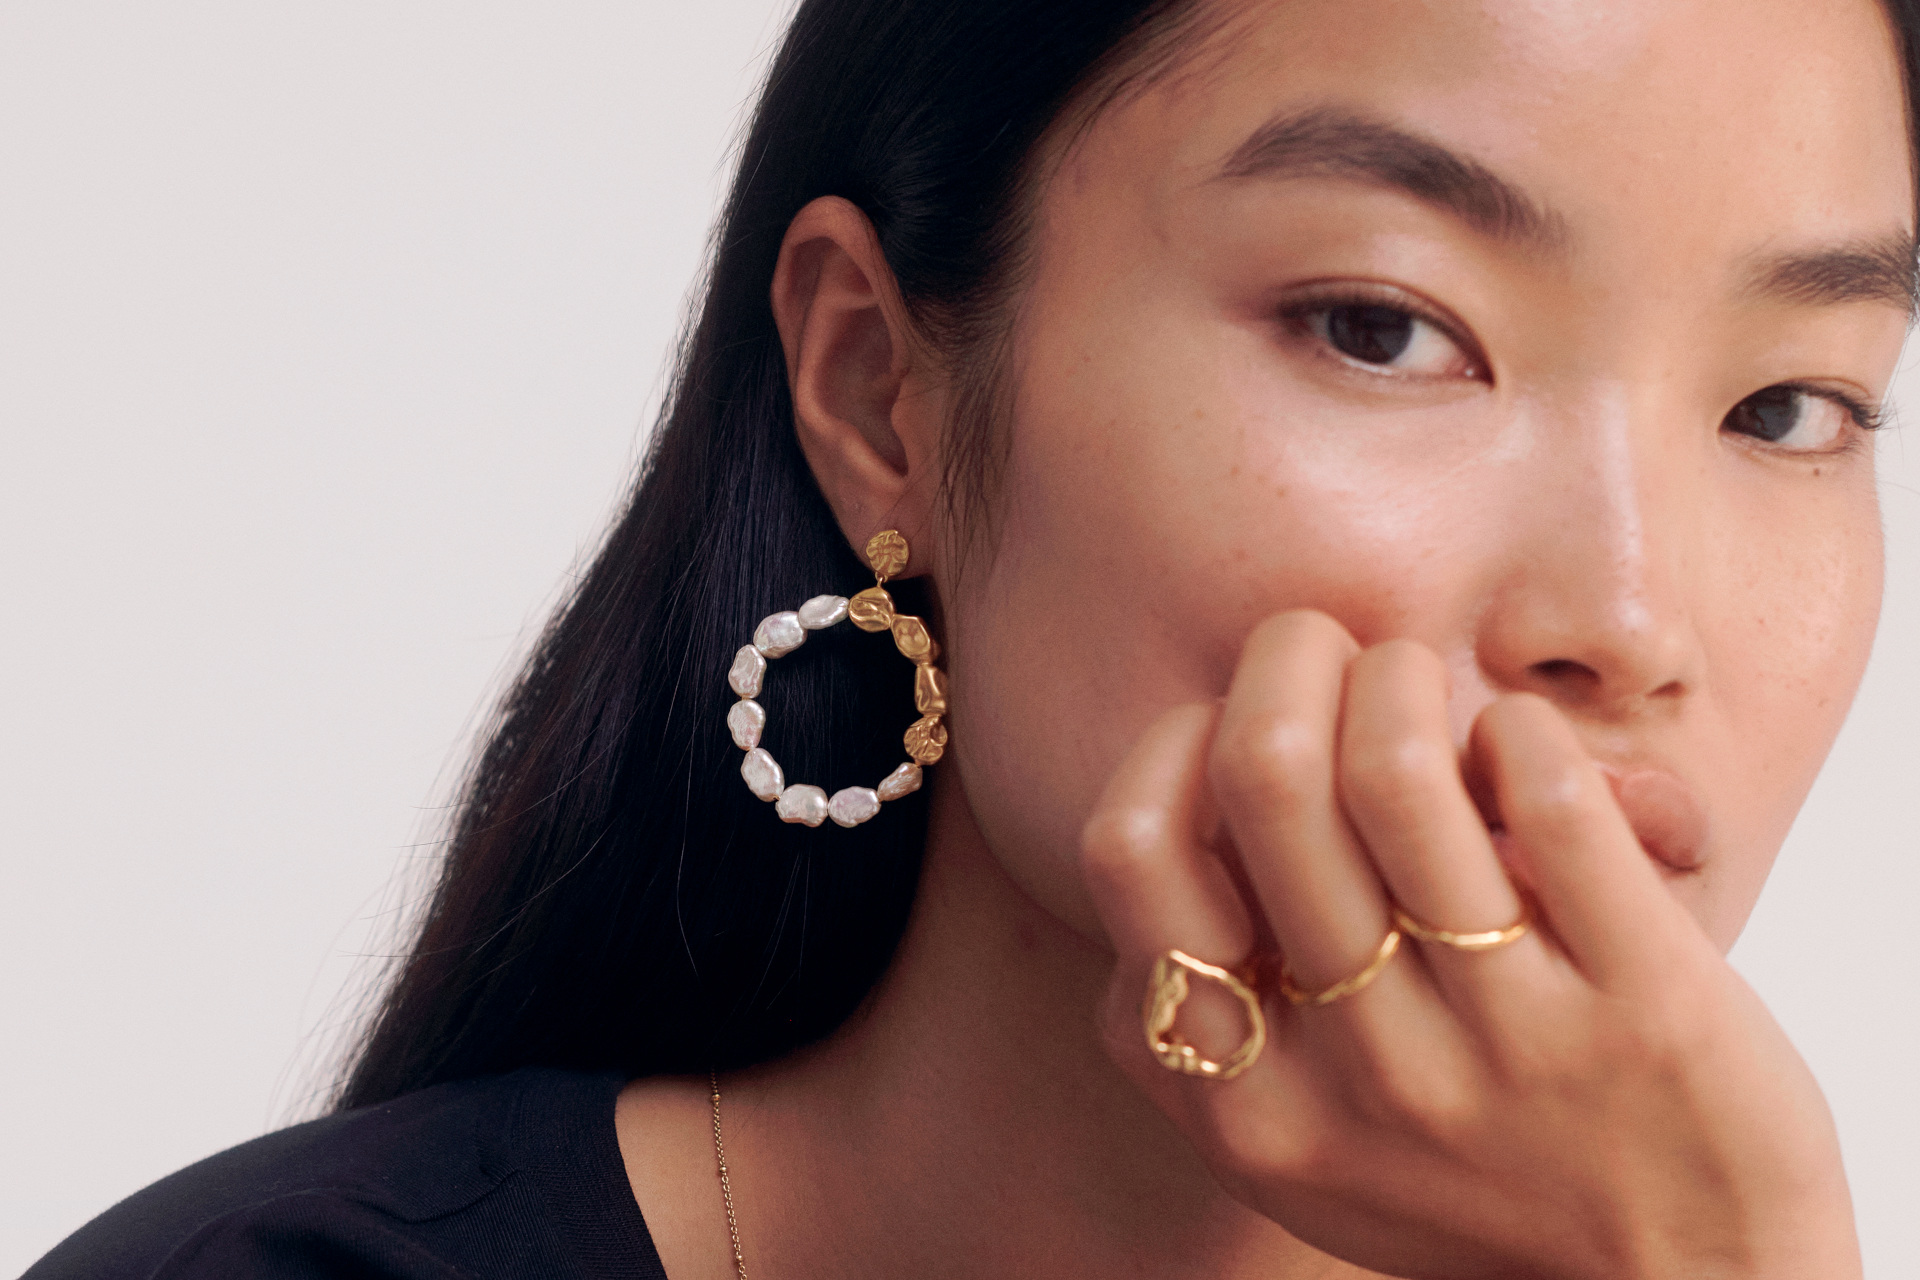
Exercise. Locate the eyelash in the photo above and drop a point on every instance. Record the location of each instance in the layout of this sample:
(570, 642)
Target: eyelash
(1867, 417)
(1297, 311)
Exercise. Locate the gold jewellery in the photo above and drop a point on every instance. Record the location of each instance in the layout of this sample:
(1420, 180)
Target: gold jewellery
(1488, 940)
(1167, 990)
(726, 1187)
(780, 634)
(1382, 955)
(1169, 985)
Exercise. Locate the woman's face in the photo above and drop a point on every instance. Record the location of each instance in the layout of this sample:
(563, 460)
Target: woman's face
(1524, 328)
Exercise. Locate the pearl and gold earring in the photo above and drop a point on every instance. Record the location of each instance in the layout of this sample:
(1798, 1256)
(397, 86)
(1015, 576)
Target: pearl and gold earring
(782, 633)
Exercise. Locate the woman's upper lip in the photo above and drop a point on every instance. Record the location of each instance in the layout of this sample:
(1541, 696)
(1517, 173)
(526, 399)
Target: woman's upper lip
(1666, 815)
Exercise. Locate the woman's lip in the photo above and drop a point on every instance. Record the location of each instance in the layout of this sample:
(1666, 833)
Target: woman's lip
(1666, 815)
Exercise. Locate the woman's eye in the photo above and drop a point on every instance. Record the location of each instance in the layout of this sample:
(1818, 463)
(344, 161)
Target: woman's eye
(1792, 417)
(1387, 338)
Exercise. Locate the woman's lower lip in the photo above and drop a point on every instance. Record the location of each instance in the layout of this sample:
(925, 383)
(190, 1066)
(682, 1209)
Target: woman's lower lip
(1667, 818)
(1665, 814)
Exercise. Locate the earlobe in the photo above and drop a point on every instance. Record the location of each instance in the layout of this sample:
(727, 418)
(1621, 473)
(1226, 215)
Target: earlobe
(857, 373)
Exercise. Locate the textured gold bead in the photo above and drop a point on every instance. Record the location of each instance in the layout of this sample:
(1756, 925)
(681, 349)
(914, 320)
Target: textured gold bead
(930, 690)
(926, 740)
(913, 639)
(871, 610)
(887, 553)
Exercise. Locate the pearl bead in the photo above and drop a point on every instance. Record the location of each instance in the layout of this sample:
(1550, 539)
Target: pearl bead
(803, 802)
(901, 782)
(822, 612)
(749, 669)
(779, 634)
(763, 775)
(853, 806)
(746, 719)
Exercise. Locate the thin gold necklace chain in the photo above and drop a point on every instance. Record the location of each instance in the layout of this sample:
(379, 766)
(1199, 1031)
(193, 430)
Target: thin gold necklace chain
(726, 1188)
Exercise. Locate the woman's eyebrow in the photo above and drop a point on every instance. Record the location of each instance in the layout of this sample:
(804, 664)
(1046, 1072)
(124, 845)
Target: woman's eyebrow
(1334, 142)
(1882, 270)
(1331, 142)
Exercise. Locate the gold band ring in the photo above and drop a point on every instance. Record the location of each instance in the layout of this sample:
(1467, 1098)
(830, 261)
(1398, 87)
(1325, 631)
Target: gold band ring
(1487, 940)
(1167, 989)
(1346, 986)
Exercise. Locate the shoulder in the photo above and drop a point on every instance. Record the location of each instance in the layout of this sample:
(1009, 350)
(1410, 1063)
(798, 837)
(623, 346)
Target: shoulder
(470, 1179)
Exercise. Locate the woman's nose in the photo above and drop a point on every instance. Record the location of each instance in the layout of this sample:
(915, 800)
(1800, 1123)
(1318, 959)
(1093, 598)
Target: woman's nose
(1593, 597)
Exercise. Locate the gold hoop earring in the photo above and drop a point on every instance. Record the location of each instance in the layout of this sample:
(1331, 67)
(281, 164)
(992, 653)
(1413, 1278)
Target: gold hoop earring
(780, 634)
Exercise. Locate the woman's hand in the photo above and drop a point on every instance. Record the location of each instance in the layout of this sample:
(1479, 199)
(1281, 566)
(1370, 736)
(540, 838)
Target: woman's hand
(1603, 1098)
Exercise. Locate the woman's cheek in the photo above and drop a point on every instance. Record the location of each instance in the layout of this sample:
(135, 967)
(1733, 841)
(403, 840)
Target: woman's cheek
(1065, 651)
(1794, 602)
(1132, 564)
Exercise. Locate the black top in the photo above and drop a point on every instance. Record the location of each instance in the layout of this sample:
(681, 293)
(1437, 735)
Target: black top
(516, 1175)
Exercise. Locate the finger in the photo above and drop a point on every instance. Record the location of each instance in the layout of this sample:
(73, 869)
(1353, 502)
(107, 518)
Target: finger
(1154, 882)
(1401, 786)
(1596, 888)
(1158, 884)
(1272, 770)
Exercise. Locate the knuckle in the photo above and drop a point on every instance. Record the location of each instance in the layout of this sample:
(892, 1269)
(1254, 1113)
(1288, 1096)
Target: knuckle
(1236, 1143)
(1252, 1156)
(1428, 1100)
(1123, 841)
(1272, 760)
(1561, 801)
(1625, 1054)
(1398, 775)
(1619, 1045)
(1527, 1063)
(1665, 1031)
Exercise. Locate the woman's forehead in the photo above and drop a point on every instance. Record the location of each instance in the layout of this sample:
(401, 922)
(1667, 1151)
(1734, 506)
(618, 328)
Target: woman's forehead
(1759, 118)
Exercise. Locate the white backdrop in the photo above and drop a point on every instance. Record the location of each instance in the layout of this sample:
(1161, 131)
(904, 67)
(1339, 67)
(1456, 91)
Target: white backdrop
(327, 335)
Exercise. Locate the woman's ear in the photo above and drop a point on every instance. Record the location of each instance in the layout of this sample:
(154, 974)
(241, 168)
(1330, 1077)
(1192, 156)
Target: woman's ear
(865, 401)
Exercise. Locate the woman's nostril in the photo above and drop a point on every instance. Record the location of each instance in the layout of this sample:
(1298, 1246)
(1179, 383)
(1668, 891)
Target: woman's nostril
(1571, 680)
(1565, 672)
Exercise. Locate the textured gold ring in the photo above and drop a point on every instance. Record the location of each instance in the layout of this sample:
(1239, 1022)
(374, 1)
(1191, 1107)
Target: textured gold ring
(1346, 986)
(1486, 940)
(1167, 990)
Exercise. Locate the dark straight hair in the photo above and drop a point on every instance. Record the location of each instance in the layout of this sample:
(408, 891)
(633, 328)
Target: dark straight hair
(612, 896)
